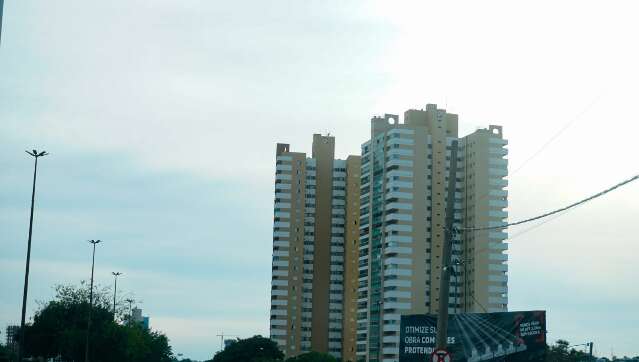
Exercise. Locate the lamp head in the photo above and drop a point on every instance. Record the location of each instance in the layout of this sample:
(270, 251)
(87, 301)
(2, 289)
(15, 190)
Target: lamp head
(37, 154)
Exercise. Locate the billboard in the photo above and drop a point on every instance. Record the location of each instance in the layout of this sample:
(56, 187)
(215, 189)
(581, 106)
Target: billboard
(473, 337)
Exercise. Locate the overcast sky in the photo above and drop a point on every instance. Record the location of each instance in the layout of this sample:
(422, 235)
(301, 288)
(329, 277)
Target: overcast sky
(162, 116)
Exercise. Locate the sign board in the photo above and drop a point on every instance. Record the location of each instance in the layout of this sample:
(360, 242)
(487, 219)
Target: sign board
(474, 337)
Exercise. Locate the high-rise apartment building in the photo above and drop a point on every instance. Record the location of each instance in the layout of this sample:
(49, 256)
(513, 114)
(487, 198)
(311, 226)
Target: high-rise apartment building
(405, 172)
(315, 251)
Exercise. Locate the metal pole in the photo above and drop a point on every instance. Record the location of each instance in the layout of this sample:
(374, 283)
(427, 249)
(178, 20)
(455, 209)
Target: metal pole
(449, 235)
(115, 293)
(115, 290)
(86, 349)
(35, 154)
(456, 289)
(1, 7)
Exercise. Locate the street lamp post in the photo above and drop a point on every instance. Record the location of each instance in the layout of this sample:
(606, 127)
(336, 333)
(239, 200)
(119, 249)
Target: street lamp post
(86, 350)
(35, 154)
(115, 290)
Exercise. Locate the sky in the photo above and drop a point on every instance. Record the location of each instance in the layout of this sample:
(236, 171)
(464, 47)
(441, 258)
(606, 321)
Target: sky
(162, 117)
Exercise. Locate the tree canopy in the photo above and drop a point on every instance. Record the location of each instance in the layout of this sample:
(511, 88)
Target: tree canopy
(260, 349)
(59, 330)
(254, 349)
(313, 357)
(6, 354)
(561, 352)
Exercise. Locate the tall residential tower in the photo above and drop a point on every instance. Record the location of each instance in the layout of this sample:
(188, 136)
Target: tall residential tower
(405, 168)
(315, 251)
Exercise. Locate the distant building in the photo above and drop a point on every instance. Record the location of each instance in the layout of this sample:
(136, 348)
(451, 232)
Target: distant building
(12, 335)
(138, 318)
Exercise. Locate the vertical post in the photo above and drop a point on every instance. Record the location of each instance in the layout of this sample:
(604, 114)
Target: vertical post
(449, 234)
(1, 10)
(591, 343)
(86, 346)
(115, 293)
(115, 290)
(35, 154)
(26, 272)
(456, 289)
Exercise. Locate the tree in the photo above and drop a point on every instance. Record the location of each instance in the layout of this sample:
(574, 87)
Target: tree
(254, 349)
(59, 330)
(6, 354)
(561, 352)
(313, 357)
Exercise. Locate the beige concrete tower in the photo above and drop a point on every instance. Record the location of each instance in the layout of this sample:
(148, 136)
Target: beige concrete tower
(404, 191)
(351, 255)
(315, 243)
(483, 273)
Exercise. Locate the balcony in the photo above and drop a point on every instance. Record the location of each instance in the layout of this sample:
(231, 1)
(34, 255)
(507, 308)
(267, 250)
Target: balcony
(498, 182)
(501, 203)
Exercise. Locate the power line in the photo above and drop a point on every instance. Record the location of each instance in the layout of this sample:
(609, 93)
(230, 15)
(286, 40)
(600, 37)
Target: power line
(556, 135)
(599, 194)
(481, 305)
(516, 235)
(553, 138)
(525, 231)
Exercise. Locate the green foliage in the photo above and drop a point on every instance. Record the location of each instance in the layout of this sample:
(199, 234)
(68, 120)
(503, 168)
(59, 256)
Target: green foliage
(560, 352)
(102, 298)
(6, 354)
(59, 329)
(313, 357)
(254, 349)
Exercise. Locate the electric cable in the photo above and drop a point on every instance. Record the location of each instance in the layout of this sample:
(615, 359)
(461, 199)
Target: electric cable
(597, 195)
(476, 301)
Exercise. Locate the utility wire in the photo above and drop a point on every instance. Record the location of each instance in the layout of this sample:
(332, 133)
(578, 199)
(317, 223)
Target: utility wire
(525, 231)
(557, 135)
(554, 211)
(551, 139)
(476, 301)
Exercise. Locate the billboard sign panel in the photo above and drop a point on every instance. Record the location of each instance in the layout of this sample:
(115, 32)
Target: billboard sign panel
(473, 337)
